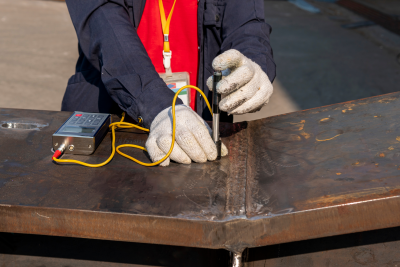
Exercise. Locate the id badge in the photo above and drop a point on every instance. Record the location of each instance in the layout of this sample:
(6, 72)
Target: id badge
(176, 81)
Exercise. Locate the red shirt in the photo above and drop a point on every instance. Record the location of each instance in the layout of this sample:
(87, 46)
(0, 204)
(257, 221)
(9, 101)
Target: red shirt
(182, 37)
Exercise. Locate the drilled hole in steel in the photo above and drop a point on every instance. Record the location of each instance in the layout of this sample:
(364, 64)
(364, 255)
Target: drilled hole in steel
(16, 125)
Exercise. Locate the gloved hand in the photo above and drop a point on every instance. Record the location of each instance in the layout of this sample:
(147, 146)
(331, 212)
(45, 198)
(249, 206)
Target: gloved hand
(246, 88)
(192, 136)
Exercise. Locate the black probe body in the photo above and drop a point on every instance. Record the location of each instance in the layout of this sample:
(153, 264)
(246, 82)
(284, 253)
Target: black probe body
(216, 112)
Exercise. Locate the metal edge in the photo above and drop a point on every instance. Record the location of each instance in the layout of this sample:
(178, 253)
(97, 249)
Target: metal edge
(233, 235)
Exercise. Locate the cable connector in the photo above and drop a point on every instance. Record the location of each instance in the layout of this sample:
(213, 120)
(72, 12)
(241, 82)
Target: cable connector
(59, 152)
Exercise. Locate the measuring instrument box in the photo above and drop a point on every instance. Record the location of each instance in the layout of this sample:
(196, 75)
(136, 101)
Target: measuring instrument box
(82, 132)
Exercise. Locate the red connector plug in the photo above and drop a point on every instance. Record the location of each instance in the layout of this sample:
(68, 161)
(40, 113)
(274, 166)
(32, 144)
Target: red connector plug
(58, 152)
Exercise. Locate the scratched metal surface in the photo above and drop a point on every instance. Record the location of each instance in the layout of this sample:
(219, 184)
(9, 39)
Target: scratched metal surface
(29, 178)
(308, 174)
(327, 156)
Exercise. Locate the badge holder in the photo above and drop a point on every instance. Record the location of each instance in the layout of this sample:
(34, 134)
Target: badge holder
(176, 80)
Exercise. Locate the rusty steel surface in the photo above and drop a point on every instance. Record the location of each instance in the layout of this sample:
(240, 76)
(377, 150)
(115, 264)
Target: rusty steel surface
(309, 174)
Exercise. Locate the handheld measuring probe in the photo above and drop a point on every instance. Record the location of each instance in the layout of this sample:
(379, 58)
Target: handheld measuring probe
(216, 112)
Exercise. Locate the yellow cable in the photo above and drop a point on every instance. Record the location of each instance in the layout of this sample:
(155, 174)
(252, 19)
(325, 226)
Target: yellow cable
(122, 124)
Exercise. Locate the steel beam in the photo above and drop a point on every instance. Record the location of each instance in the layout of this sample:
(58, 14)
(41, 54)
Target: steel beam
(315, 173)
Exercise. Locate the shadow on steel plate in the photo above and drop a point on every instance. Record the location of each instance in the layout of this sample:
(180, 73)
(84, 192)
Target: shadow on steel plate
(95, 251)
(340, 249)
(66, 249)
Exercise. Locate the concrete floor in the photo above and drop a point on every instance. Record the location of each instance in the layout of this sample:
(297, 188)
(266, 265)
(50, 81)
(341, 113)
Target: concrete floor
(321, 63)
(318, 61)
(38, 51)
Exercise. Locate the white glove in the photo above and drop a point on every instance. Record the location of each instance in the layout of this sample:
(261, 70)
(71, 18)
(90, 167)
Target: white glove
(192, 136)
(246, 88)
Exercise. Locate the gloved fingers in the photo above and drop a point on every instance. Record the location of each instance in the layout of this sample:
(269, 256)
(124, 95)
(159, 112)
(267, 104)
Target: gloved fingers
(229, 59)
(210, 81)
(202, 132)
(236, 99)
(165, 163)
(224, 150)
(190, 146)
(255, 103)
(177, 154)
(203, 122)
(238, 78)
(155, 152)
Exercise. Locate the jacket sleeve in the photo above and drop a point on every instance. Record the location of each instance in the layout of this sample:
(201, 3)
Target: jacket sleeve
(244, 29)
(109, 41)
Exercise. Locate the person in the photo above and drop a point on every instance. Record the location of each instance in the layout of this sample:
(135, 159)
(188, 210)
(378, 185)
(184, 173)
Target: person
(123, 48)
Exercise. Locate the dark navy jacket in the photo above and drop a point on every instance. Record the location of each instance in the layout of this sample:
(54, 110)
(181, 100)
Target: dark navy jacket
(114, 72)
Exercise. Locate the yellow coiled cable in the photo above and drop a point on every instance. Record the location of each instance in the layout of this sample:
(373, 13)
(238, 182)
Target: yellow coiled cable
(122, 124)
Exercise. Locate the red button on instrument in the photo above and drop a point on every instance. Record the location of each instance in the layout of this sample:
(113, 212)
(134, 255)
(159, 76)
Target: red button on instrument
(78, 115)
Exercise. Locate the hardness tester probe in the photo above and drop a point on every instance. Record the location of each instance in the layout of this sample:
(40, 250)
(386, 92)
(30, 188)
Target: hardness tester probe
(216, 112)
(83, 132)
